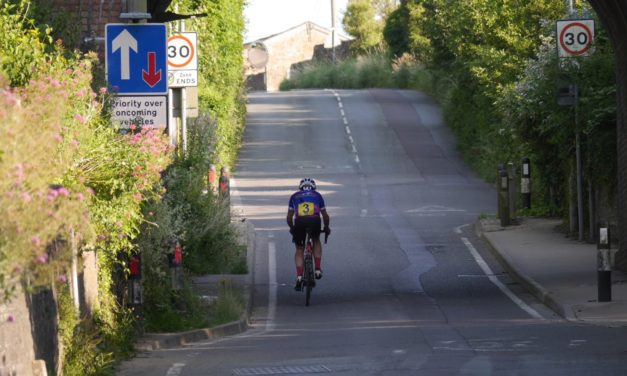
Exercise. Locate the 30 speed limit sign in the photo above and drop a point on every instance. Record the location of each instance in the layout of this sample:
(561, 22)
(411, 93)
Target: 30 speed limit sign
(574, 37)
(182, 60)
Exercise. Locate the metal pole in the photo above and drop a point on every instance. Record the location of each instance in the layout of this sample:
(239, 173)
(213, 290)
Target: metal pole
(333, 29)
(172, 125)
(184, 106)
(579, 168)
(75, 292)
(184, 118)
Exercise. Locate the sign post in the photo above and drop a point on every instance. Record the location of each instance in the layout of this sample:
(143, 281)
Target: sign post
(575, 38)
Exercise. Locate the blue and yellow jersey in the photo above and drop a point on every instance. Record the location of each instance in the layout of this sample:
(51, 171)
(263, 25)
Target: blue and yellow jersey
(306, 203)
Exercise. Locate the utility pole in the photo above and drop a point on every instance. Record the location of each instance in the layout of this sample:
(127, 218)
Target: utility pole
(333, 29)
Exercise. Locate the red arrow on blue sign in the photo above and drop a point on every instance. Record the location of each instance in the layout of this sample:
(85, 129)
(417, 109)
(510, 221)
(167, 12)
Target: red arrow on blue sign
(152, 76)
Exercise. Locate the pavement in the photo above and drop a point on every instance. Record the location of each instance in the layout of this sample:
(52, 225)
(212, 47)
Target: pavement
(559, 271)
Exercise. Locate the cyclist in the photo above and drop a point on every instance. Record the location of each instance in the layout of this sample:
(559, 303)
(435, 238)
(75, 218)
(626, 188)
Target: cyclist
(304, 211)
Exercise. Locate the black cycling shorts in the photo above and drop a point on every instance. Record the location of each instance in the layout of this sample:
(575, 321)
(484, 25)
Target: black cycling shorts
(302, 224)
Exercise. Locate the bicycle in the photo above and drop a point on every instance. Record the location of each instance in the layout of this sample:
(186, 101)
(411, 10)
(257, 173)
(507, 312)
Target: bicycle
(309, 277)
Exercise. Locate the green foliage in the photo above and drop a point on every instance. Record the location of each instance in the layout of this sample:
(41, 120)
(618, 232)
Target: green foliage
(82, 349)
(22, 46)
(361, 23)
(220, 62)
(229, 305)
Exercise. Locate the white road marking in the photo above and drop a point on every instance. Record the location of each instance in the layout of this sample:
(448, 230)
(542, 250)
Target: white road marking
(354, 148)
(577, 342)
(348, 130)
(350, 138)
(486, 269)
(357, 159)
(458, 229)
(176, 369)
(342, 112)
(272, 286)
(340, 104)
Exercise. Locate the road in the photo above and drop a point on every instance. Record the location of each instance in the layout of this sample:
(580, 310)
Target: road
(408, 288)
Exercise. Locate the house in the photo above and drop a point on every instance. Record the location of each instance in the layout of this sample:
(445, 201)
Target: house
(273, 59)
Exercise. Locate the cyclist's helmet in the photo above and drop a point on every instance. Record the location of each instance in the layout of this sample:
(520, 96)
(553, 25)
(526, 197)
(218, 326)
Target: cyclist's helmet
(307, 184)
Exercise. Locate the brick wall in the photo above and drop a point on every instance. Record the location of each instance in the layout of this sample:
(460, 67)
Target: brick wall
(93, 14)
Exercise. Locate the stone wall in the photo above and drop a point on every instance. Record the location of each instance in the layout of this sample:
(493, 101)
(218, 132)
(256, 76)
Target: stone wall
(289, 52)
(294, 46)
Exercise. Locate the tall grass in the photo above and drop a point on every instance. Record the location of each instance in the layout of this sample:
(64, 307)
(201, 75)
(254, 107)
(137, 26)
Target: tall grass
(371, 71)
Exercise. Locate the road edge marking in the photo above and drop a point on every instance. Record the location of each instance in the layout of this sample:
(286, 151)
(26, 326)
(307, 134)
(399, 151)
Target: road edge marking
(490, 275)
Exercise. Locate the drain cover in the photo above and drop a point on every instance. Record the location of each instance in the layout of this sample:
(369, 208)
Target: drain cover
(296, 370)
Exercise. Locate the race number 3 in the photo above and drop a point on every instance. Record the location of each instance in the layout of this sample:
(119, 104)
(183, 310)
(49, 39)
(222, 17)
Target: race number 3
(574, 37)
(305, 209)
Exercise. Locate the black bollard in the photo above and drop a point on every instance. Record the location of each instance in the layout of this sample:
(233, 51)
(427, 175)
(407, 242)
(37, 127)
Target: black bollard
(504, 210)
(604, 264)
(525, 183)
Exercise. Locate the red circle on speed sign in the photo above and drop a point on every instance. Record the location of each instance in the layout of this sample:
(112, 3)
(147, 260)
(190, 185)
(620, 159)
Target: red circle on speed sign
(179, 61)
(576, 38)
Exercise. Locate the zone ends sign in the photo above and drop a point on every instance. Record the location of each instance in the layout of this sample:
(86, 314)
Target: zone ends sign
(574, 37)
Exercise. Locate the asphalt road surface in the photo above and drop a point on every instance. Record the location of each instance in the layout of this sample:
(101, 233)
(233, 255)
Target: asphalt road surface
(408, 288)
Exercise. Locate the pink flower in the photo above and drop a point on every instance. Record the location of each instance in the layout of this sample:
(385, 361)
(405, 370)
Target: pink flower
(63, 192)
(52, 195)
(17, 269)
(74, 143)
(151, 214)
(62, 278)
(35, 240)
(133, 127)
(80, 118)
(57, 137)
(138, 196)
(80, 197)
(80, 93)
(10, 318)
(42, 259)
(102, 237)
(55, 83)
(103, 90)
(90, 191)
(26, 197)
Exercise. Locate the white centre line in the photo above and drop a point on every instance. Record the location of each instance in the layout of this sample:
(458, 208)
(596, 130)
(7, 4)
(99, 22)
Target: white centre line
(345, 121)
(272, 286)
(488, 272)
(340, 104)
(342, 112)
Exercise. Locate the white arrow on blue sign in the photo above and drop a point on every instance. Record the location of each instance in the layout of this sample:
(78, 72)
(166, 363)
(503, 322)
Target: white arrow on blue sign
(136, 58)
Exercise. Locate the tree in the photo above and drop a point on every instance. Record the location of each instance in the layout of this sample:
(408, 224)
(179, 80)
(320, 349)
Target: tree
(612, 14)
(360, 21)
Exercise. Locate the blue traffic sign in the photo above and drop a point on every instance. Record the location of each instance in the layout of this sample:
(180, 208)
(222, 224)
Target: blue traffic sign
(136, 59)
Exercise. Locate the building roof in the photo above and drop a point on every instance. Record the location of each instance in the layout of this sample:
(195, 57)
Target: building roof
(271, 38)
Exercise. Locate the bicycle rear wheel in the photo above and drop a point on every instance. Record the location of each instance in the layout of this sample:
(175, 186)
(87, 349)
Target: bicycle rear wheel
(309, 277)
